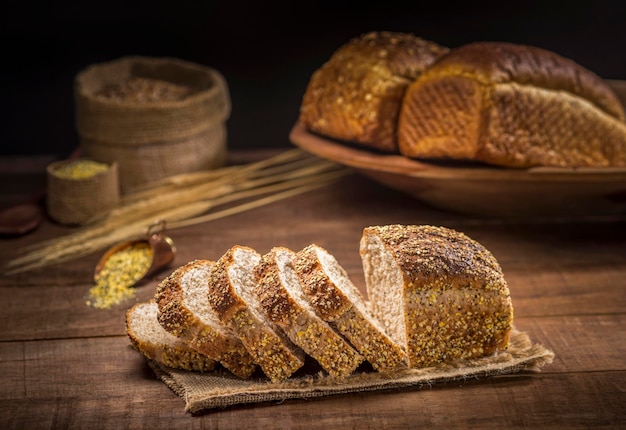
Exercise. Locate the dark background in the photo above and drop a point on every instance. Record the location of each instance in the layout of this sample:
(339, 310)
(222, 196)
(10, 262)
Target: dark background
(265, 50)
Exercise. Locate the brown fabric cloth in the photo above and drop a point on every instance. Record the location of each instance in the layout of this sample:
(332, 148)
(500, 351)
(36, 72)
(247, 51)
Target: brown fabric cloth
(219, 389)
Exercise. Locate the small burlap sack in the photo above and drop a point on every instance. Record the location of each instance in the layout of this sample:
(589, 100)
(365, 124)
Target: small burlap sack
(219, 389)
(153, 132)
(76, 201)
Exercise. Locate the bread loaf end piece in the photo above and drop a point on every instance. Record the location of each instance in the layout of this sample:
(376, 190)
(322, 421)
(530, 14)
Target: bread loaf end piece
(514, 106)
(356, 95)
(438, 292)
(336, 299)
(230, 294)
(155, 343)
(280, 294)
(185, 312)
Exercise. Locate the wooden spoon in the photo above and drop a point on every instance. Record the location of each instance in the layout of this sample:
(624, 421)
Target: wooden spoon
(163, 251)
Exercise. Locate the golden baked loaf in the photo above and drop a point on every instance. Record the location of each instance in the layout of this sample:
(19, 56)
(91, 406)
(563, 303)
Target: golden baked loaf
(512, 105)
(437, 292)
(356, 95)
(434, 296)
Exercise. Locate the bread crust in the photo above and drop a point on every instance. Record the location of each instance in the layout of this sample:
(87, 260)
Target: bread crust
(356, 95)
(499, 62)
(175, 353)
(350, 318)
(318, 339)
(277, 356)
(512, 105)
(222, 295)
(327, 299)
(213, 340)
(456, 302)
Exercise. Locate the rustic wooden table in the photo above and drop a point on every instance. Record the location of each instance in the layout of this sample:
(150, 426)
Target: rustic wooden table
(66, 365)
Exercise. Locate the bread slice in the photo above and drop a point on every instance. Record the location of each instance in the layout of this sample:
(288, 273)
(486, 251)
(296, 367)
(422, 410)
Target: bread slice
(512, 105)
(184, 311)
(356, 95)
(280, 294)
(149, 338)
(439, 294)
(337, 300)
(231, 296)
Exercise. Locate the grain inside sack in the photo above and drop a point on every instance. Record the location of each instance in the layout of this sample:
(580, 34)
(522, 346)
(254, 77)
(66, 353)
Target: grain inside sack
(79, 191)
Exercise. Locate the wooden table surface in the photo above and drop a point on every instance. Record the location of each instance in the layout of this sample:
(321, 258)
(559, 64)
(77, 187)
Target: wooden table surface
(64, 364)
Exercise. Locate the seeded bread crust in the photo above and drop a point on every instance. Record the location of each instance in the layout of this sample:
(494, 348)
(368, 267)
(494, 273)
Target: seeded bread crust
(356, 95)
(297, 319)
(201, 332)
(270, 348)
(345, 309)
(150, 339)
(438, 292)
(512, 105)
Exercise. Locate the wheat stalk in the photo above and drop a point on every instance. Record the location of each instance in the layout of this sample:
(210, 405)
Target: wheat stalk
(186, 200)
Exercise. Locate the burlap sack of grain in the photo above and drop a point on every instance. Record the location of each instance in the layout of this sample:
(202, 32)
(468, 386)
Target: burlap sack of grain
(155, 117)
(76, 193)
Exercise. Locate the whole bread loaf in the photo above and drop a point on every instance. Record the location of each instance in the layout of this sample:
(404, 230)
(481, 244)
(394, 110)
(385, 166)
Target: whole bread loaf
(356, 95)
(438, 293)
(512, 105)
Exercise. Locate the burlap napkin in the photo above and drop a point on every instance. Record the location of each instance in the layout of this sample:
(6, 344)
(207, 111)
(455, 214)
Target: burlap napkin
(219, 389)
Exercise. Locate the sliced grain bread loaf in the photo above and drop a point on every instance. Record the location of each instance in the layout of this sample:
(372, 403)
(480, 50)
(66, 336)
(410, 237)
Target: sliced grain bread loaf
(437, 292)
(184, 311)
(279, 292)
(155, 343)
(231, 296)
(337, 300)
